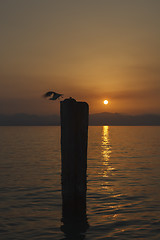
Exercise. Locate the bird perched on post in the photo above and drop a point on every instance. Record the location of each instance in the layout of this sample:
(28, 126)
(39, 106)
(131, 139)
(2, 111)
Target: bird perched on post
(54, 97)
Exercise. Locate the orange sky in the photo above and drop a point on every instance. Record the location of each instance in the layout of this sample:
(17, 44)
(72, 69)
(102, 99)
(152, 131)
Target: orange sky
(90, 50)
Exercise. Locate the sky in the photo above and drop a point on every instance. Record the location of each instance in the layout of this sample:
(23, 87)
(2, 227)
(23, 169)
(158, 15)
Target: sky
(90, 50)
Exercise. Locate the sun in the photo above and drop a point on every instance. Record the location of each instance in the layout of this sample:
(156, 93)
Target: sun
(105, 102)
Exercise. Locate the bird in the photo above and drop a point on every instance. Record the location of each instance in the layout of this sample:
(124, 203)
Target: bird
(54, 97)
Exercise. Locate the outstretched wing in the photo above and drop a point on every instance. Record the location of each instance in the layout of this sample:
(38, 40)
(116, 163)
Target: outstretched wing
(56, 96)
(48, 94)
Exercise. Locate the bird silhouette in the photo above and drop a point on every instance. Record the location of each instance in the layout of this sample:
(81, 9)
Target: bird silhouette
(54, 97)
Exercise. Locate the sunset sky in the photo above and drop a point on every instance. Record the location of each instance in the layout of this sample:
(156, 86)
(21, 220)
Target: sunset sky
(91, 50)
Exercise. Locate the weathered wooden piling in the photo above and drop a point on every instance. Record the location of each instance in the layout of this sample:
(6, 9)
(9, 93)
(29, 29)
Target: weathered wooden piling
(74, 138)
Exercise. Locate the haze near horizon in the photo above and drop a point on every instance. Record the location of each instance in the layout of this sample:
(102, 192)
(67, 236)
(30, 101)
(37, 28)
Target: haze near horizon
(90, 50)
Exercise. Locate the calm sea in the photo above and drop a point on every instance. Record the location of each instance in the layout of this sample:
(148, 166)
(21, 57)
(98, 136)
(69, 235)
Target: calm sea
(123, 190)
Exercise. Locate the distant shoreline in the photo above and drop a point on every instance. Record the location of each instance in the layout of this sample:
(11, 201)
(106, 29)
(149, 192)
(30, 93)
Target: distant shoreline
(20, 125)
(98, 119)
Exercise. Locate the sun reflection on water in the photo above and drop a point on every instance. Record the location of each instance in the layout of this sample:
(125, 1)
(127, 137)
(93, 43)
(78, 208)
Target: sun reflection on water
(106, 148)
(106, 153)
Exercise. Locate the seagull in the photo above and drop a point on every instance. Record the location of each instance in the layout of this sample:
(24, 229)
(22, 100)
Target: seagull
(54, 97)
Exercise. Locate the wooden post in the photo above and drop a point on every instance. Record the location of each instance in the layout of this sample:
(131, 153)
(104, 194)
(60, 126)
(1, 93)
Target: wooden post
(74, 138)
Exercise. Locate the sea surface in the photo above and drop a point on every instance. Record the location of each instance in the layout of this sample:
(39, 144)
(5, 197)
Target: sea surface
(123, 183)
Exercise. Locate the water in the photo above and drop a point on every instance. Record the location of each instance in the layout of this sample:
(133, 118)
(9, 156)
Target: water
(123, 197)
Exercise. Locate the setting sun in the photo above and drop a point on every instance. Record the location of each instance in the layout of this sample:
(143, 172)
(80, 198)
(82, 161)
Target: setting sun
(105, 101)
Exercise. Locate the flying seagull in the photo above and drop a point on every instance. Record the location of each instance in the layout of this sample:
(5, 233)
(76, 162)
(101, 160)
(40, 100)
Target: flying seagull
(54, 97)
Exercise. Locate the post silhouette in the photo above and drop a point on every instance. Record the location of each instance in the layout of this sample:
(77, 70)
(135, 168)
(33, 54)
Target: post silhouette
(74, 138)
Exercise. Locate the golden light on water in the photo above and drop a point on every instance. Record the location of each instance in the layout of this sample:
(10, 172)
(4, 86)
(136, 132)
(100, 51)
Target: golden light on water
(105, 102)
(106, 152)
(106, 144)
